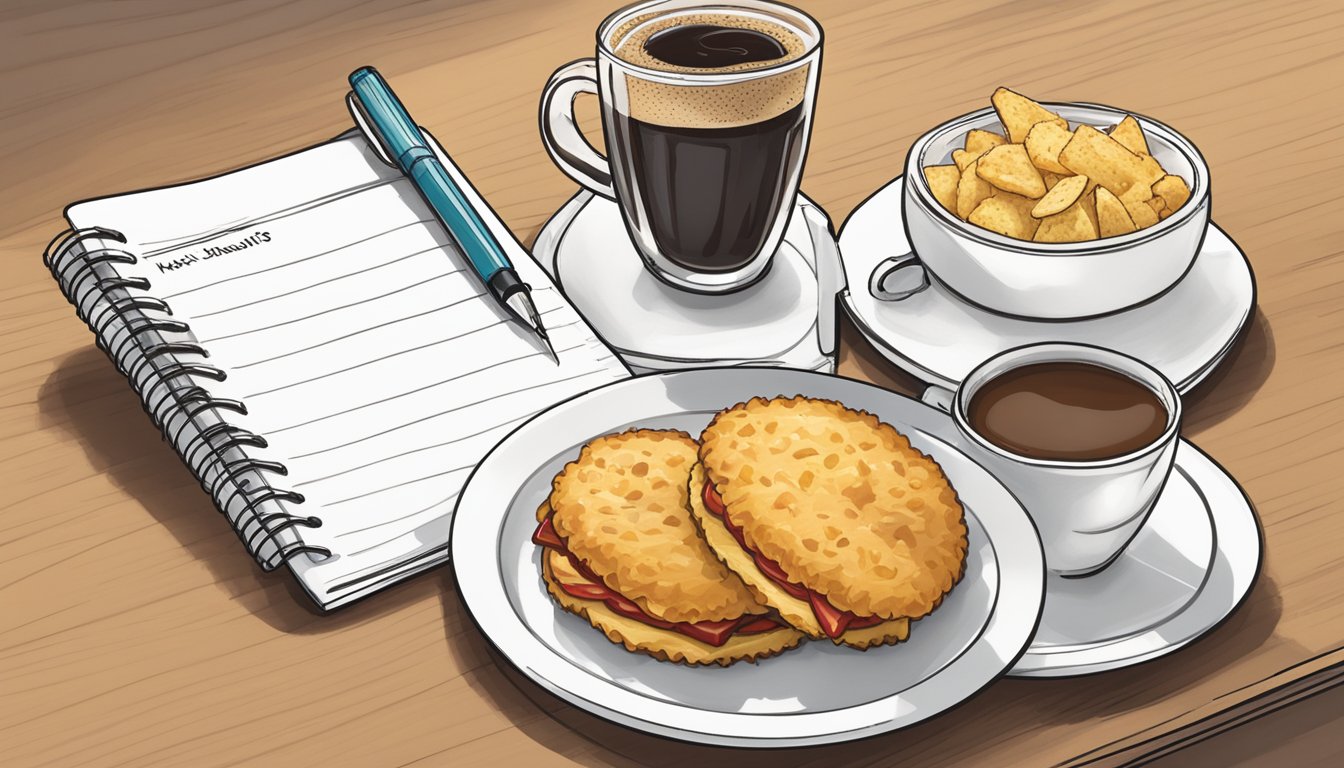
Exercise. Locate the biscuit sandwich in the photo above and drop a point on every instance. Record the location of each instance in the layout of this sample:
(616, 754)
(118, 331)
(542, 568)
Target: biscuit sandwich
(620, 550)
(829, 516)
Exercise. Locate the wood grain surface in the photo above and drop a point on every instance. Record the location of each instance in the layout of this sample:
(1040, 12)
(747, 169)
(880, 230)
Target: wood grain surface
(136, 631)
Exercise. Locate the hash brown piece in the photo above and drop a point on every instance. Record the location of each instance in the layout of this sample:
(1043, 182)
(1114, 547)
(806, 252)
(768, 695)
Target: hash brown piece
(622, 510)
(841, 501)
(796, 612)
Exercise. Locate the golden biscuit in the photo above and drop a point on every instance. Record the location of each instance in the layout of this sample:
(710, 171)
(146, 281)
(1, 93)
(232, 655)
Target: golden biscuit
(621, 509)
(623, 552)
(840, 502)
(796, 611)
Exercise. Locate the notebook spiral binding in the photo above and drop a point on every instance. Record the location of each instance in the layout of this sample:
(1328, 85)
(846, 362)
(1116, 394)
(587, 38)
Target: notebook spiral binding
(191, 419)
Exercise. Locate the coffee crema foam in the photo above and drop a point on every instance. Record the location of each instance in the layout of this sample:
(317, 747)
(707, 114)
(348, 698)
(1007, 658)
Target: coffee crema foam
(709, 106)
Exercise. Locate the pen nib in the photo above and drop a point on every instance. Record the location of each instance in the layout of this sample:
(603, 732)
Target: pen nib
(546, 338)
(521, 304)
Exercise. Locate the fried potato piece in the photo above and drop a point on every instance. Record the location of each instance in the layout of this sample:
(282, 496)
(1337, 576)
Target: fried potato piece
(1044, 141)
(1089, 203)
(1006, 213)
(962, 158)
(1072, 225)
(1141, 214)
(1060, 197)
(1112, 218)
(1150, 169)
(1009, 168)
(1174, 192)
(1107, 162)
(971, 189)
(1019, 113)
(942, 180)
(1128, 133)
(1051, 179)
(979, 142)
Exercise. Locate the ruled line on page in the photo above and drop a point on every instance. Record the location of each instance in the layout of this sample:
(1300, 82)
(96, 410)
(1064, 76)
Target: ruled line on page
(421, 449)
(182, 241)
(382, 523)
(402, 484)
(312, 285)
(352, 334)
(337, 249)
(283, 213)
(389, 356)
(493, 397)
(328, 311)
(380, 401)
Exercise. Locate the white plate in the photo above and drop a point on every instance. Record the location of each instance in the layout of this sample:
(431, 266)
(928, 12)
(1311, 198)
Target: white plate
(815, 694)
(940, 337)
(1188, 568)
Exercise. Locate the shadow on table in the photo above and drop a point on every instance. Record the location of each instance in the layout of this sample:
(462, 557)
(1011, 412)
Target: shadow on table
(971, 731)
(91, 402)
(1235, 381)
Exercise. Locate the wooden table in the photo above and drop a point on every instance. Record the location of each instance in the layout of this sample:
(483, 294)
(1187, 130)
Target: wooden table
(137, 632)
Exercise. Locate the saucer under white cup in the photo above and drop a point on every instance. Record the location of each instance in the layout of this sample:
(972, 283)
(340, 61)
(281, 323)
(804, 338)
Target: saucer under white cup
(1191, 562)
(939, 337)
(1188, 568)
(785, 319)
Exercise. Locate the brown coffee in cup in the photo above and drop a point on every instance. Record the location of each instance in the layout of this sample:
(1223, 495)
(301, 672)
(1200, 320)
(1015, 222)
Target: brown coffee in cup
(1067, 411)
(710, 167)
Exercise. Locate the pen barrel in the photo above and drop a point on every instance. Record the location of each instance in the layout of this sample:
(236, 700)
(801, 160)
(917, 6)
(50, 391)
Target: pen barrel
(403, 140)
(464, 226)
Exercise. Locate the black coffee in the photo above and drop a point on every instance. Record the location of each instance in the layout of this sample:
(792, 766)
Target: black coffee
(711, 46)
(710, 195)
(709, 168)
(1068, 411)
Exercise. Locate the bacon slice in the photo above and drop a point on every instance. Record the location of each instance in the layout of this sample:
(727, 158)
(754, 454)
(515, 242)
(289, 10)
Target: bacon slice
(834, 622)
(545, 536)
(714, 633)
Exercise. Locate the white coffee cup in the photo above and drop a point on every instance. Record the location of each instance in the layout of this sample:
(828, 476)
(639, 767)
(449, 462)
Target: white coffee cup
(1086, 511)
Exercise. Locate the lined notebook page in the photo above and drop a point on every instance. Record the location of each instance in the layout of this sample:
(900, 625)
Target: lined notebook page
(360, 341)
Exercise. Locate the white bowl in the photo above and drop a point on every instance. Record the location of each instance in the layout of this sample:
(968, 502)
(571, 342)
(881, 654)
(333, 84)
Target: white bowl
(1055, 281)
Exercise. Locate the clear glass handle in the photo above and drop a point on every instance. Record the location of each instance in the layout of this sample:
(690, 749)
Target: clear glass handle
(561, 135)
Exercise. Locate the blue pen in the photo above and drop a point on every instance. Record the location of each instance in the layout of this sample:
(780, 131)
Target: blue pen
(379, 113)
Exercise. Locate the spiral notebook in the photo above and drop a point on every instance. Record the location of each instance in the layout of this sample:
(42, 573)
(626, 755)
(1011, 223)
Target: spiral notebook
(318, 353)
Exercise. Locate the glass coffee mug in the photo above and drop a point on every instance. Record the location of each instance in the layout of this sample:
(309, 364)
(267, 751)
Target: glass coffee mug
(706, 110)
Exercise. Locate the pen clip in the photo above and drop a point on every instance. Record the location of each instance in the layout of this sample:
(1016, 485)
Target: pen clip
(362, 121)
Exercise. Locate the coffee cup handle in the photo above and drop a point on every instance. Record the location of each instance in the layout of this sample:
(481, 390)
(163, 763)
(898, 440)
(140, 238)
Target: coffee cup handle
(938, 397)
(561, 135)
(917, 278)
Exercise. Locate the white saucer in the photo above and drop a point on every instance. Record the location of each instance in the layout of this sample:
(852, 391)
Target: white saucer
(1189, 567)
(786, 319)
(939, 337)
